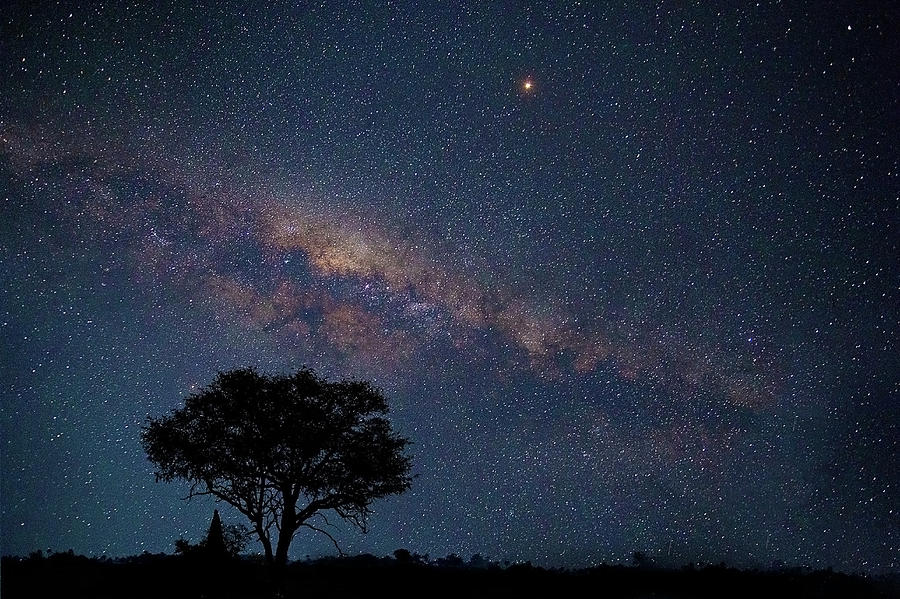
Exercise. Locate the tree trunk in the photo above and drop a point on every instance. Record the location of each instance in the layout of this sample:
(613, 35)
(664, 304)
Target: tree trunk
(281, 554)
(266, 543)
(288, 526)
(284, 541)
(276, 565)
(270, 559)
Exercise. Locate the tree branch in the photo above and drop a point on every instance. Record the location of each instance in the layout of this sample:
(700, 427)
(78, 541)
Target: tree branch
(327, 523)
(324, 532)
(192, 493)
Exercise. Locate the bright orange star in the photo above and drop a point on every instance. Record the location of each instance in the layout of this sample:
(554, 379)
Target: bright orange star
(528, 85)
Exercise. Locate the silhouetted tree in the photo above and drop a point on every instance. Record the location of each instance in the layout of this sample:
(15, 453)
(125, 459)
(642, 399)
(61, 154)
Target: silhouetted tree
(222, 539)
(236, 536)
(215, 538)
(282, 449)
(184, 547)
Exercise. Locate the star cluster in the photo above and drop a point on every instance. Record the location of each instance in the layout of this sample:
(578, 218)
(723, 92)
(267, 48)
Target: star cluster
(627, 273)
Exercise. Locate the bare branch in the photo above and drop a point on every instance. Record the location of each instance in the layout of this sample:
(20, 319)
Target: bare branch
(325, 518)
(192, 493)
(307, 525)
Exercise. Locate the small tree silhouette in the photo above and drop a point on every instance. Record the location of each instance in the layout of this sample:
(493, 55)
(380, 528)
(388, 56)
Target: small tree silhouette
(282, 449)
(184, 547)
(236, 536)
(215, 539)
(221, 540)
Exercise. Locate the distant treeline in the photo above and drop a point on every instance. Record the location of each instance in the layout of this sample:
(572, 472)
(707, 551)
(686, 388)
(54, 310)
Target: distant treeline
(407, 575)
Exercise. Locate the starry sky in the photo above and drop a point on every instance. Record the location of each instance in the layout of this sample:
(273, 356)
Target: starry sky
(627, 272)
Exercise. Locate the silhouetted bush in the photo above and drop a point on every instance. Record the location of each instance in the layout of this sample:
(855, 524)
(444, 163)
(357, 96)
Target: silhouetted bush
(403, 556)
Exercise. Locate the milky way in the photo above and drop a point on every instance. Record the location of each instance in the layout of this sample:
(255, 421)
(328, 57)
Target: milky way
(648, 303)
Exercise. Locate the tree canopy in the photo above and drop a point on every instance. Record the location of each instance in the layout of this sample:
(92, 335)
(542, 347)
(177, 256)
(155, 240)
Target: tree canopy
(283, 449)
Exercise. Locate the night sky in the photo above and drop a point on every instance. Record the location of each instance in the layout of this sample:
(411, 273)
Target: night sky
(628, 274)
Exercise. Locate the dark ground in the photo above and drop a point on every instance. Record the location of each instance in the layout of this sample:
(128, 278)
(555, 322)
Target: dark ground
(69, 575)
